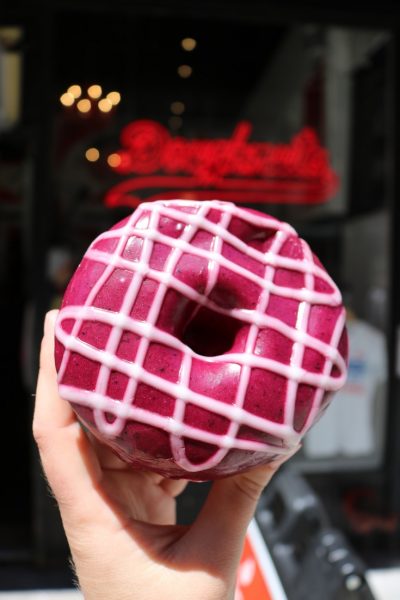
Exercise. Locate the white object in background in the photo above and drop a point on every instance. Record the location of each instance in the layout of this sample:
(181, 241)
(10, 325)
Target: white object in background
(384, 583)
(349, 426)
(42, 595)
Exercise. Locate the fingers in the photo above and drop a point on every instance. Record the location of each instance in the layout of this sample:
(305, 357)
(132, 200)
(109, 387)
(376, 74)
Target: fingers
(68, 460)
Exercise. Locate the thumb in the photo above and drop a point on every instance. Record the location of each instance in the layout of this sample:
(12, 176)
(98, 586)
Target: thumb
(223, 521)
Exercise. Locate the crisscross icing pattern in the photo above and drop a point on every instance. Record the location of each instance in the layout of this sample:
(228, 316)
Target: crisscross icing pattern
(111, 416)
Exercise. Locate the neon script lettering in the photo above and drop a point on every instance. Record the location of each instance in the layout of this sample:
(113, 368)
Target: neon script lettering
(235, 168)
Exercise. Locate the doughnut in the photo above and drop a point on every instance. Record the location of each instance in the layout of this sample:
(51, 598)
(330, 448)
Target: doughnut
(198, 339)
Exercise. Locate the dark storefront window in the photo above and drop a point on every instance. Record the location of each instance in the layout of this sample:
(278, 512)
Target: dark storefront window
(291, 119)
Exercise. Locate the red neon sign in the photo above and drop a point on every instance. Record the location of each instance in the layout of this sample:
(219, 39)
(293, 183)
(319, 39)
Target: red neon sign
(230, 169)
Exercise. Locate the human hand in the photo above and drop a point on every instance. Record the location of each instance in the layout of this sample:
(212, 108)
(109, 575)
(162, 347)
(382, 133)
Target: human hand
(120, 523)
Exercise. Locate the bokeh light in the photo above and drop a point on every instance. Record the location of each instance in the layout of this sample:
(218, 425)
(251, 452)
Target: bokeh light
(114, 160)
(175, 122)
(75, 90)
(84, 105)
(105, 105)
(185, 71)
(92, 154)
(188, 44)
(67, 99)
(177, 107)
(95, 91)
(114, 98)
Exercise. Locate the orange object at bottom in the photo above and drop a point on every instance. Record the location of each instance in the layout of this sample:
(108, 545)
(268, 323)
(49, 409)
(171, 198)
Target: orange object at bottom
(257, 577)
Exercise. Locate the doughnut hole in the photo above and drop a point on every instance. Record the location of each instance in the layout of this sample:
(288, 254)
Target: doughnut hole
(175, 312)
(210, 333)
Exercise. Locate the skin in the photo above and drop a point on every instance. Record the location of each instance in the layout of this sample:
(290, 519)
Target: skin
(121, 524)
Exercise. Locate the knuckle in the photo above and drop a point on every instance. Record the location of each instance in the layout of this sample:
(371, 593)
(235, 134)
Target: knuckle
(249, 487)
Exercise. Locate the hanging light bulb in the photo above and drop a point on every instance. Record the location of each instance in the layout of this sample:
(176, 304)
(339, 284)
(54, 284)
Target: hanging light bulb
(95, 91)
(177, 107)
(188, 44)
(175, 122)
(75, 90)
(185, 71)
(84, 105)
(67, 99)
(105, 105)
(114, 98)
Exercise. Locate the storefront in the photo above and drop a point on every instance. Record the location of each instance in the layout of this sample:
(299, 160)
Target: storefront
(289, 110)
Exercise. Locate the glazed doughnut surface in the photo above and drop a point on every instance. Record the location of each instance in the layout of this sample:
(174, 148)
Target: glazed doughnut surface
(198, 339)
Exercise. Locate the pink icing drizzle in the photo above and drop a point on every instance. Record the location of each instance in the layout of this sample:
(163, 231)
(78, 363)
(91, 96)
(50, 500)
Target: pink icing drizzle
(147, 229)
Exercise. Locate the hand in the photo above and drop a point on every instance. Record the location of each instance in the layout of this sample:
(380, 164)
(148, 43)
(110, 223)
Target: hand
(120, 523)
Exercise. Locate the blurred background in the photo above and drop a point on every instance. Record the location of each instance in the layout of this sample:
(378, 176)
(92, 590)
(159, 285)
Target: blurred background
(285, 107)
